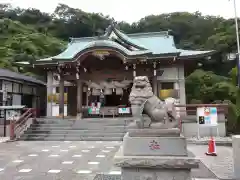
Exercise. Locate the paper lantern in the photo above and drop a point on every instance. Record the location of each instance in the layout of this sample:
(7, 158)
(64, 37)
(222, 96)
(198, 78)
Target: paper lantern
(119, 91)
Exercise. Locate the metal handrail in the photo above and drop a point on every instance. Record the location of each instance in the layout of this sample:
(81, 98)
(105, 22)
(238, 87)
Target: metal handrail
(31, 112)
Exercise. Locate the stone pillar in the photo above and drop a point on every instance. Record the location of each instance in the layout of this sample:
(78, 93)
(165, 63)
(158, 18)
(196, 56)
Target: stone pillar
(181, 84)
(61, 97)
(49, 92)
(236, 157)
(182, 92)
(79, 98)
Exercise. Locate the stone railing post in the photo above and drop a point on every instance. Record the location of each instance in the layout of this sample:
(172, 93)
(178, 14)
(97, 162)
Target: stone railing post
(236, 157)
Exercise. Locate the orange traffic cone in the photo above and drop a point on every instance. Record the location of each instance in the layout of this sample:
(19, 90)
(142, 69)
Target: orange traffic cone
(211, 148)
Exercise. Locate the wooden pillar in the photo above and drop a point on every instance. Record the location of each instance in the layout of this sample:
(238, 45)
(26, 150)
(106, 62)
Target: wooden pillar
(49, 93)
(155, 88)
(79, 98)
(134, 70)
(61, 97)
(87, 94)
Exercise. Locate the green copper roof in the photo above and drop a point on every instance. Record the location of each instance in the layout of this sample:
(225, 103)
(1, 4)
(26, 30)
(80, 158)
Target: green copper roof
(153, 44)
(157, 42)
(77, 46)
(130, 41)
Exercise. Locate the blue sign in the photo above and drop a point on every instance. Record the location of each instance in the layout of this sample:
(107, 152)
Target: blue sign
(213, 110)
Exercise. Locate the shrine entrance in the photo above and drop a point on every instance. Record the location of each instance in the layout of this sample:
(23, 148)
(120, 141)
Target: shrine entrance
(105, 87)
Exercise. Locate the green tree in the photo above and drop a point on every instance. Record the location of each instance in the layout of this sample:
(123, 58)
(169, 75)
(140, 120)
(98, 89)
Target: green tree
(19, 42)
(209, 87)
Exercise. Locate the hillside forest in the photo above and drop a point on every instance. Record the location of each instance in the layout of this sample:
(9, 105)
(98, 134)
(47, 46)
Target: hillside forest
(29, 34)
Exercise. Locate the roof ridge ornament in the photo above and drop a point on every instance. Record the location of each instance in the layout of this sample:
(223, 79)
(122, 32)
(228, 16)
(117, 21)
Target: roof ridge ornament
(108, 30)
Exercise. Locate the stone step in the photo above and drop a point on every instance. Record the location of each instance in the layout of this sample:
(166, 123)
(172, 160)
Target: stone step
(92, 129)
(88, 134)
(107, 177)
(92, 120)
(73, 131)
(84, 124)
(119, 177)
(103, 128)
(71, 138)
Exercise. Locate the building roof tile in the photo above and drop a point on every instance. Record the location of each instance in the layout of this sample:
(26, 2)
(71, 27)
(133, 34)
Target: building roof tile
(4, 73)
(152, 43)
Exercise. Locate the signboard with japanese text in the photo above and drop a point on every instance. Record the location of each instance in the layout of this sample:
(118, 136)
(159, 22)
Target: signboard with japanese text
(124, 110)
(207, 116)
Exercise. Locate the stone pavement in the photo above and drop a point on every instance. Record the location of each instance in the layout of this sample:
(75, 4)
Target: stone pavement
(221, 165)
(23, 160)
(78, 160)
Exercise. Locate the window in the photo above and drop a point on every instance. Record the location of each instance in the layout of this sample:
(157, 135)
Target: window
(26, 89)
(20, 88)
(34, 90)
(1, 81)
(167, 85)
(8, 86)
(16, 87)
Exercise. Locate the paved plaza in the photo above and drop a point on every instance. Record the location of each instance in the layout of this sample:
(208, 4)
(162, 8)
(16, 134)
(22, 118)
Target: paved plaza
(79, 160)
(24, 160)
(221, 165)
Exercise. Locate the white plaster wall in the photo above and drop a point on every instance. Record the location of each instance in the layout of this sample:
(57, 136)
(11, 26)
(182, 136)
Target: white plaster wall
(174, 74)
(55, 110)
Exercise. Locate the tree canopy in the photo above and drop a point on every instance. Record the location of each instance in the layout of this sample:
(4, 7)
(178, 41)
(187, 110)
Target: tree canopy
(29, 34)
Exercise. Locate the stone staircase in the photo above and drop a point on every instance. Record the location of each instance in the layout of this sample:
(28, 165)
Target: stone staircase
(90, 129)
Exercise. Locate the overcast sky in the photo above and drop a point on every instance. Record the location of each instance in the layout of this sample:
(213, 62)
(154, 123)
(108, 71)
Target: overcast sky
(133, 10)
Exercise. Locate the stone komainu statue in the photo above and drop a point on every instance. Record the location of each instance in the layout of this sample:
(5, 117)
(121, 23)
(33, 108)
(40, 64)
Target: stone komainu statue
(142, 99)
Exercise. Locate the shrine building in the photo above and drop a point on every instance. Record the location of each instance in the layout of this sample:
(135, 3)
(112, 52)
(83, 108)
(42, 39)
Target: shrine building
(93, 75)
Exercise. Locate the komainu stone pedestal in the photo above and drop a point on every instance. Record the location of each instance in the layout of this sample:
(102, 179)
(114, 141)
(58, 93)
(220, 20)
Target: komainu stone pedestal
(148, 154)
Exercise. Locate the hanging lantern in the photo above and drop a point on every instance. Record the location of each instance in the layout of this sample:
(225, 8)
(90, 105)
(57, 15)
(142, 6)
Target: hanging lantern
(107, 91)
(119, 91)
(85, 89)
(96, 92)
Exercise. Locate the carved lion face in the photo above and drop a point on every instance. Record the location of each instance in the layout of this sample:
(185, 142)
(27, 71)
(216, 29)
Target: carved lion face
(141, 82)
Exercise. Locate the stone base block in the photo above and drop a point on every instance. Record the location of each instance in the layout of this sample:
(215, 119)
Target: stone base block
(154, 146)
(155, 174)
(155, 167)
(173, 132)
(154, 162)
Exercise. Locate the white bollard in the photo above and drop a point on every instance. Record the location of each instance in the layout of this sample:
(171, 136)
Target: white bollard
(236, 157)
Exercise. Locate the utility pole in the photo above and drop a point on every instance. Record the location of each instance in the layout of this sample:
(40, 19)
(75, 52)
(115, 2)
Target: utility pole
(238, 45)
